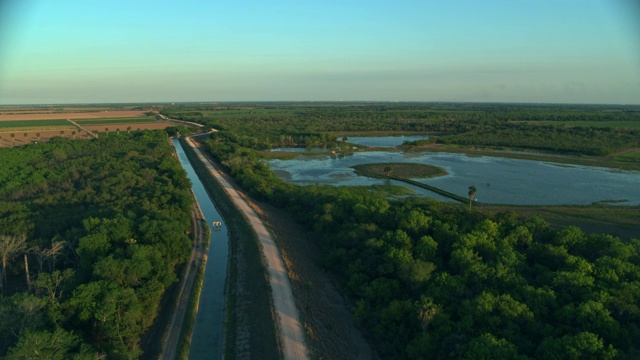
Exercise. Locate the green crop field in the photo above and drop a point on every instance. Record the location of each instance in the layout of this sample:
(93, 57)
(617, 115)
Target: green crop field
(108, 121)
(633, 156)
(10, 124)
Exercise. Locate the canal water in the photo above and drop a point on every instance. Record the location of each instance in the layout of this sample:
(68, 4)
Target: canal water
(207, 340)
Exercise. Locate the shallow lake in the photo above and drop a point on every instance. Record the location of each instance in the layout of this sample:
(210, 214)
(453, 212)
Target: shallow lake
(498, 180)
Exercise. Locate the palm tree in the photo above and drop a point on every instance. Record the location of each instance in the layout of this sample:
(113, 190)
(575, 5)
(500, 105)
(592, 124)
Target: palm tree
(107, 131)
(128, 129)
(74, 134)
(10, 246)
(38, 136)
(472, 192)
(61, 132)
(117, 131)
(388, 170)
(13, 139)
(25, 136)
(0, 141)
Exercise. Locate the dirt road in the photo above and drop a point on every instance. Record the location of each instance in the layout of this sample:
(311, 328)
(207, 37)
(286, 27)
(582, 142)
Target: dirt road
(291, 336)
(196, 259)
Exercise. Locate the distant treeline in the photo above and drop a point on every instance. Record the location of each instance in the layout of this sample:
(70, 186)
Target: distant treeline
(435, 281)
(93, 232)
(488, 125)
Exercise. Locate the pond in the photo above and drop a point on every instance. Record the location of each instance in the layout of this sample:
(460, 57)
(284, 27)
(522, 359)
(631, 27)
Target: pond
(498, 180)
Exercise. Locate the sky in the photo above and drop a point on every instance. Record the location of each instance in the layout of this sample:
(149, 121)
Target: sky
(538, 51)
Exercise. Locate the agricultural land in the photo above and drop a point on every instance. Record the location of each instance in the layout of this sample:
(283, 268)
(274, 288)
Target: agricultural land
(96, 212)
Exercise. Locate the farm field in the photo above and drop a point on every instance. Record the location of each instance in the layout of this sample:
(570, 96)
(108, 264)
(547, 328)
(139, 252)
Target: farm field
(28, 125)
(16, 124)
(16, 115)
(124, 120)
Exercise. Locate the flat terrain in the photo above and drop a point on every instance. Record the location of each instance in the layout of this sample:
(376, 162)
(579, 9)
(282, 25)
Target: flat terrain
(33, 125)
(70, 115)
(595, 124)
(329, 324)
(291, 334)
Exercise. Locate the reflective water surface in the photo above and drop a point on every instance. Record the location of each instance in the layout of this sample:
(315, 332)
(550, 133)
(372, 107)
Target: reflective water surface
(498, 180)
(208, 331)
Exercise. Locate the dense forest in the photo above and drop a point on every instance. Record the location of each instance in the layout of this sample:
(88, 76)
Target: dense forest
(93, 231)
(430, 280)
(91, 235)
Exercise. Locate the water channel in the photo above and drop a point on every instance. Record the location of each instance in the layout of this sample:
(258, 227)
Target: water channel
(498, 180)
(208, 333)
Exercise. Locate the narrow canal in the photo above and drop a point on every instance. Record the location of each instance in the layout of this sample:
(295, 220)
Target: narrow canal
(208, 332)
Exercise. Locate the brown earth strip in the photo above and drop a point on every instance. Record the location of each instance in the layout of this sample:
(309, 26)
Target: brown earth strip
(73, 115)
(48, 133)
(330, 326)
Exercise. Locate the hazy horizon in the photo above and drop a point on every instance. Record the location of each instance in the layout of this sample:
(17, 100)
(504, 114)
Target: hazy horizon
(538, 52)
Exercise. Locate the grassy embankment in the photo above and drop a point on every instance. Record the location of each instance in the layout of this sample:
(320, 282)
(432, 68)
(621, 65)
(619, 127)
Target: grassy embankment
(192, 308)
(248, 310)
(631, 156)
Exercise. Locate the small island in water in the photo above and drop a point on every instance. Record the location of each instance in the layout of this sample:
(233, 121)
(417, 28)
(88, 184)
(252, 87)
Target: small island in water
(400, 170)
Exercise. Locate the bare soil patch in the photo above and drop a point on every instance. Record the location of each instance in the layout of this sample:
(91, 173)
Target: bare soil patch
(47, 134)
(70, 115)
(123, 128)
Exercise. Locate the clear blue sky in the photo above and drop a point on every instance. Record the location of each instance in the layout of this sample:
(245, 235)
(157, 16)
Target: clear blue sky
(79, 51)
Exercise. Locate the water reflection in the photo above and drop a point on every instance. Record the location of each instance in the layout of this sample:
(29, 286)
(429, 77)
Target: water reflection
(499, 180)
(208, 329)
(384, 141)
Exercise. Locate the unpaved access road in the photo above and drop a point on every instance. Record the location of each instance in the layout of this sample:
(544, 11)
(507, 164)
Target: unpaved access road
(197, 259)
(290, 335)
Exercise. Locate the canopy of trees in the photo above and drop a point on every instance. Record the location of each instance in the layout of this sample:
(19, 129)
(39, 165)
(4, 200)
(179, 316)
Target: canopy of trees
(436, 281)
(105, 223)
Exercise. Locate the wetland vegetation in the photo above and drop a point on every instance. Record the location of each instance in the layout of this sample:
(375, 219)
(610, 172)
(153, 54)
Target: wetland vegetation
(104, 221)
(402, 170)
(429, 279)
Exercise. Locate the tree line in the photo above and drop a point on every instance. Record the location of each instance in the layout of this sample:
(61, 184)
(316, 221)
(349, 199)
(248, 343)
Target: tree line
(435, 280)
(101, 229)
(488, 125)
